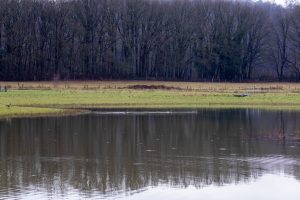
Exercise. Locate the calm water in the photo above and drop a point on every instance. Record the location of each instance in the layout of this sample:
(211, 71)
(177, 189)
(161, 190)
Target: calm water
(204, 154)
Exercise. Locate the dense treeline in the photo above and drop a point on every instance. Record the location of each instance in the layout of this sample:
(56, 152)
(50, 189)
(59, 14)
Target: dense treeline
(148, 39)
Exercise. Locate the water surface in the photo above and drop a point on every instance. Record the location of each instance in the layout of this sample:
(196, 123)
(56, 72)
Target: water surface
(141, 154)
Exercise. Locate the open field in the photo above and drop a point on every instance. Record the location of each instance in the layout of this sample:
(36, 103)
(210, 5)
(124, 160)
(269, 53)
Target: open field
(198, 86)
(42, 98)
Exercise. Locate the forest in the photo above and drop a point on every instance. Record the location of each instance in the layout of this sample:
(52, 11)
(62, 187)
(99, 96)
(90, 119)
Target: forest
(186, 40)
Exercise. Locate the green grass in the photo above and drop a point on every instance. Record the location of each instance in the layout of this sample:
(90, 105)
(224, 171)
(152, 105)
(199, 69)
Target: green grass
(54, 101)
(28, 111)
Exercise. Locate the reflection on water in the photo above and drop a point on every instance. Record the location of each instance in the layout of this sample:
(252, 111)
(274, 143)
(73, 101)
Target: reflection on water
(263, 188)
(133, 154)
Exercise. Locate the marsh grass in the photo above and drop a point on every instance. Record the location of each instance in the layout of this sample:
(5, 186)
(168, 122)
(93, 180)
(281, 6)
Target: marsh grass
(196, 86)
(39, 98)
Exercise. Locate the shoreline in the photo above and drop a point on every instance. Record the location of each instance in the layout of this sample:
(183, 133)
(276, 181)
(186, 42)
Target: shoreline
(88, 110)
(67, 98)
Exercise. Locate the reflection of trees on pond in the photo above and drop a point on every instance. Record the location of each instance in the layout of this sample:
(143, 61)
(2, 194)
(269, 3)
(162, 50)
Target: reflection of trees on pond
(116, 153)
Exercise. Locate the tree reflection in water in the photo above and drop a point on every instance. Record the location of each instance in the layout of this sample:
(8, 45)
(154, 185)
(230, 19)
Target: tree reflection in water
(114, 154)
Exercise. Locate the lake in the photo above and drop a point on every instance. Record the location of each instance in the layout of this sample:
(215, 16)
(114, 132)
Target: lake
(146, 154)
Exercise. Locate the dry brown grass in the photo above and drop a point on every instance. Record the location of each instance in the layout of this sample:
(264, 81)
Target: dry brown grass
(197, 86)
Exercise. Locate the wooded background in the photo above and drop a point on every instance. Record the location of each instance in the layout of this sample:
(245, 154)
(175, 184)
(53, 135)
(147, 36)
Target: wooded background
(149, 39)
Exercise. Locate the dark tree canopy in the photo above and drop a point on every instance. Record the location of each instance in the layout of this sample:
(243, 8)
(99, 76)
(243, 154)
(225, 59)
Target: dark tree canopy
(148, 39)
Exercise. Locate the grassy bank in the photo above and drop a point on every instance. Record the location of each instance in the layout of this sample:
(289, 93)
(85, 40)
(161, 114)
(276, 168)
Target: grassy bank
(40, 98)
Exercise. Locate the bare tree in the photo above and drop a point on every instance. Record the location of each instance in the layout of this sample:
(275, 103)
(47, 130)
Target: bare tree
(278, 45)
(146, 39)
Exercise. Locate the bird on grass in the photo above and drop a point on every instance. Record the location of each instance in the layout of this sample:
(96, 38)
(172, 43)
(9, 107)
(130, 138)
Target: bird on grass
(8, 105)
